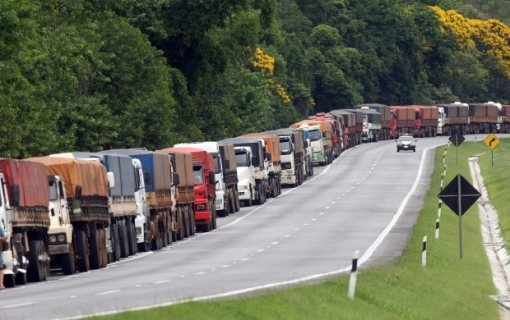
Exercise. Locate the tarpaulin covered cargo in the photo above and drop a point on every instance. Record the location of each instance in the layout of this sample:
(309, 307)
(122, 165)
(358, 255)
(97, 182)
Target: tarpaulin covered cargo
(32, 180)
(120, 165)
(183, 164)
(156, 164)
(90, 175)
(272, 142)
(254, 144)
(200, 155)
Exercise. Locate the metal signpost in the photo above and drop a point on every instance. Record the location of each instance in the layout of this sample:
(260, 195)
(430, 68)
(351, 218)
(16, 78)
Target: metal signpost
(459, 195)
(492, 142)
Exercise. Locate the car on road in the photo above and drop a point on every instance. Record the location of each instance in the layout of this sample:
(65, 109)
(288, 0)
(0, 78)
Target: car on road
(406, 142)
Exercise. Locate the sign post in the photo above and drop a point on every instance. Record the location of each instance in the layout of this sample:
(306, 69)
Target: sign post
(492, 142)
(456, 139)
(459, 195)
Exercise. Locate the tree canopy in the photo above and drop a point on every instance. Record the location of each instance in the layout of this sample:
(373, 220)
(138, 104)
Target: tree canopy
(93, 75)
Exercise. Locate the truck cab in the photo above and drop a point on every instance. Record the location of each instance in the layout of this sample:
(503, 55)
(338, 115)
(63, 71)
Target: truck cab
(142, 225)
(60, 232)
(12, 265)
(245, 174)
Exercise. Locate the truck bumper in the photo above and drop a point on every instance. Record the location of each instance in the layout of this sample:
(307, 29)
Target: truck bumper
(202, 217)
(55, 249)
(288, 179)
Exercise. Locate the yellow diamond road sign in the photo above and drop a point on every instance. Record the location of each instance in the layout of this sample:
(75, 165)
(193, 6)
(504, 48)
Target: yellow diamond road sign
(491, 141)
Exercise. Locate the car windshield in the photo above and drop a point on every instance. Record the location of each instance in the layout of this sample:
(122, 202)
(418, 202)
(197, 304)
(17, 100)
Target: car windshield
(405, 138)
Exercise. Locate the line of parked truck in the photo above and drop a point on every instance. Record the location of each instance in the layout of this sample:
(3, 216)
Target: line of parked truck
(78, 211)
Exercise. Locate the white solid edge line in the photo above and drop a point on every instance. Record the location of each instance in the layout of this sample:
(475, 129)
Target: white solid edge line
(368, 253)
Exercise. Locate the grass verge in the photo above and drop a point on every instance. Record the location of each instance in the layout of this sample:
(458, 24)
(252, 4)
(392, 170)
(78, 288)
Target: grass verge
(447, 288)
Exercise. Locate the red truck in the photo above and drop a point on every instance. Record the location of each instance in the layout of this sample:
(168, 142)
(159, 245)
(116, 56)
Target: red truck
(205, 190)
(416, 120)
(25, 218)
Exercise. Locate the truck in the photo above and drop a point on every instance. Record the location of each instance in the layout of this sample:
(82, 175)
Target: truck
(252, 169)
(505, 118)
(182, 163)
(338, 129)
(160, 227)
(321, 139)
(204, 187)
(350, 135)
(415, 120)
(86, 190)
(378, 121)
(273, 150)
(25, 217)
(293, 154)
(227, 194)
(484, 117)
(453, 118)
(120, 235)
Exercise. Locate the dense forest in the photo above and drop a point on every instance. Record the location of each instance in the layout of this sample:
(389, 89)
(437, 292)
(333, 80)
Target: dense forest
(99, 74)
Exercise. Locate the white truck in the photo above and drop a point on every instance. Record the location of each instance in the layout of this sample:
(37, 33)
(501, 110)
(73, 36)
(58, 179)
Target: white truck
(227, 194)
(252, 169)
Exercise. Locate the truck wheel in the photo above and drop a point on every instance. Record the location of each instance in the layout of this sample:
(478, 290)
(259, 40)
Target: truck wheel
(10, 281)
(95, 249)
(68, 261)
(124, 243)
(103, 252)
(115, 241)
(82, 246)
(132, 237)
(19, 279)
(180, 223)
(36, 265)
(193, 225)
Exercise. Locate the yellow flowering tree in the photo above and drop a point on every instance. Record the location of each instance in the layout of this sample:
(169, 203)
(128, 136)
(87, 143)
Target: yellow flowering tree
(265, 62)
(490, 37)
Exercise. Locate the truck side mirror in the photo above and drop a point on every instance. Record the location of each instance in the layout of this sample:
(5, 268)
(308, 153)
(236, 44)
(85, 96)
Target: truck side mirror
(212, 179)
(268, 156)
(78, 192)
(147, 177)
(227, 163)
(175, 178)
(111, 179)
(15, 195)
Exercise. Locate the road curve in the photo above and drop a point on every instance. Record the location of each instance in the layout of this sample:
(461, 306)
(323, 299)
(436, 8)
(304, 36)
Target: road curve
(366, 200)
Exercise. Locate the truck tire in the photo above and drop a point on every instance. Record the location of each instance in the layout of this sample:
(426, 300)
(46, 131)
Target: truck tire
(103, 251)
(124, 243)
(68, 261)
(132, 237)
(95, 249)
(82, 248)
(115, 241)
(19, 279)
(10, 280)
(36, 271)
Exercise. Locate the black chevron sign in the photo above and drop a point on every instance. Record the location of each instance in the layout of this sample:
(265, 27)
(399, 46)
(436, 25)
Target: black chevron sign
(459, 195)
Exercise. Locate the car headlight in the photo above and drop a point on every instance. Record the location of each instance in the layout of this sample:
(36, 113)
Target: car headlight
(53, 239)
(61, 238)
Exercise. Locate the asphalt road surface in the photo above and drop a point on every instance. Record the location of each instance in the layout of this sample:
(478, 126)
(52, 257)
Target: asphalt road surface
(366, 200)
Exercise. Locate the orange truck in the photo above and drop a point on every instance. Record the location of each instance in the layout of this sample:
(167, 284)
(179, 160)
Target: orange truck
(182, 163)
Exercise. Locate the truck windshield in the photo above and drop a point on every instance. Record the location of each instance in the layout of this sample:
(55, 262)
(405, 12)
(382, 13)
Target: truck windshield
(285, 146)
(242, 159)
(199, 174)
(315, 135)
(53, 191)
(218, 163)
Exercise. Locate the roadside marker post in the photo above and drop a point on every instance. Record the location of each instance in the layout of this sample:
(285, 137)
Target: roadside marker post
(437, 228)
(354, 274)
(424, 252)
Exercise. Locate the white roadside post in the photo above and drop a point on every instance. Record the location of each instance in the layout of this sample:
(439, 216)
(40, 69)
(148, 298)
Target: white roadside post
(354, 273)
(424, 252)
(437, 228)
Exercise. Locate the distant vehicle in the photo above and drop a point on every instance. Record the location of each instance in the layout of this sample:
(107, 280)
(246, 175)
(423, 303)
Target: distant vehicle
(405, 142)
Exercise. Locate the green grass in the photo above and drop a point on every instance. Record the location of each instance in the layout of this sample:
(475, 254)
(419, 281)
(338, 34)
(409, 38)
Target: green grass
(447, 288)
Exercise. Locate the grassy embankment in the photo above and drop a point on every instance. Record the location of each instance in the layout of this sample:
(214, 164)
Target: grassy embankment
(447, 288)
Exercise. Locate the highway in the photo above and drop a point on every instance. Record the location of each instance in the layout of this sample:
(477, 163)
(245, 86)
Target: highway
(366, 200)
